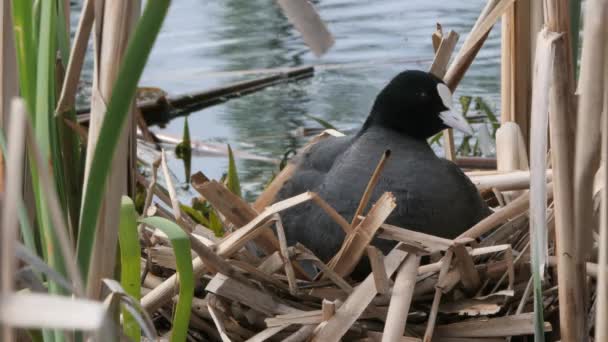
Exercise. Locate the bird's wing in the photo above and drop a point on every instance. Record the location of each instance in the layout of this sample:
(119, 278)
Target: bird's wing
(312, 166)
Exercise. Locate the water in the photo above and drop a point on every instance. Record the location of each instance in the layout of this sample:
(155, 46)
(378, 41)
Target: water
(208, 43)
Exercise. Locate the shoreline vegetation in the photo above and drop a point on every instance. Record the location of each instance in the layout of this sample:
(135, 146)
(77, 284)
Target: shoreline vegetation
(91, 248)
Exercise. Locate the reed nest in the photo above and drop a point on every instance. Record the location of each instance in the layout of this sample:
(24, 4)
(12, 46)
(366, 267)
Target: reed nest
(477, 286)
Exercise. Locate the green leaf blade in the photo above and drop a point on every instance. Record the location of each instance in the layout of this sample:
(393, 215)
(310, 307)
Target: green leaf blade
(180, 242)
(130, 266)
(138, 51)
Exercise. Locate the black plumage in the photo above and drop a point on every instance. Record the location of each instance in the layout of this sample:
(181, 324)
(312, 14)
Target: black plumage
(433, 195)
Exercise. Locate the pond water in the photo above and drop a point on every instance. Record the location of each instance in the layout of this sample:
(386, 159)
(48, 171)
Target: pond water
(209, 43)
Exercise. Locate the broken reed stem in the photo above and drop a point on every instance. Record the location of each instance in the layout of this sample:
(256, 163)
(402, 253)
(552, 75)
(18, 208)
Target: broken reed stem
(329, 210)
(376, 260)
(77, 54)
(401, 299)
(443, 53)
(445, 266)
(491, 13)
(367, 194)
(370, 187)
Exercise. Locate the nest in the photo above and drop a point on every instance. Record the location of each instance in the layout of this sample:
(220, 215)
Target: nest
(477, 286)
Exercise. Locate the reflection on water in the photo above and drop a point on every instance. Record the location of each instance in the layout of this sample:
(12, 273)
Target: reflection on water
(202, 42)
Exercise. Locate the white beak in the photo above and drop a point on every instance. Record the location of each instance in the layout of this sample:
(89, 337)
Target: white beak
(456, 120)
(450, 118)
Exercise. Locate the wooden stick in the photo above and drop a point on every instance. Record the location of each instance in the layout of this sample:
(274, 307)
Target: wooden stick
(401, 299)
(165, 109)
(370, 187)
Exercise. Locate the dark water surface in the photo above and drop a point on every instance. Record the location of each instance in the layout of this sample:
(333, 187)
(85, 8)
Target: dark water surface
(208, 43)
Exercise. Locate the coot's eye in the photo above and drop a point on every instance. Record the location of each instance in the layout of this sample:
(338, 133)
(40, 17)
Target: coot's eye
(423, 96)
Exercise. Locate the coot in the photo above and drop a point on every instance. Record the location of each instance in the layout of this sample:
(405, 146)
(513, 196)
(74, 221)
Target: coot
(433, 195)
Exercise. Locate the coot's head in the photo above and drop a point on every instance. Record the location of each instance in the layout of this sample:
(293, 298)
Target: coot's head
(418, 104)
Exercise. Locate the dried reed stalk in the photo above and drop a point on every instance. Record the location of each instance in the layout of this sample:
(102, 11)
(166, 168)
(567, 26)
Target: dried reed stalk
(401, 299)
(291, 277)
(353, 247)
(589, 115)
(514, 180)
(490, 14)
(306, 20)
(518, 37)
(77, 54)
(493, 327)
(443, 53)
(12, 196)
(356, 303)
(511, 153)
(601, 318)
(8, 65)
(225, 248)
(376, 259)
(562, 126)
(371, 184)
(118, 19)
(545, 56)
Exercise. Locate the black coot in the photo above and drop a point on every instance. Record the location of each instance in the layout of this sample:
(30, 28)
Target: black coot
(433, 195)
